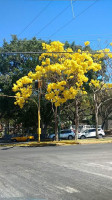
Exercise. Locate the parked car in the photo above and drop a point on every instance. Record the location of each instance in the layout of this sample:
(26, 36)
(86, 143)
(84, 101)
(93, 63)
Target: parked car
(83, 127)
(64, 134)
(22, 138)
(5, 138)
(91, 133)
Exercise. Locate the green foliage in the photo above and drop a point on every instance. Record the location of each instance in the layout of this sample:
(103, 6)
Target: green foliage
(13, 67)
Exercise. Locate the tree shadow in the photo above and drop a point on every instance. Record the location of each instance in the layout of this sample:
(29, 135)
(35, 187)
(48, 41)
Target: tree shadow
(7, 148)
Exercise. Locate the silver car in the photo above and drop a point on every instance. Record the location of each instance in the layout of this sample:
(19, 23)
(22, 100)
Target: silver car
(91, 133)
(64, 134)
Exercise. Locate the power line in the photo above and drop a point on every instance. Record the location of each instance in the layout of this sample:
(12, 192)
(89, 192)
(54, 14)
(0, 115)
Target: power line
(107, 45)
(72, 19)
(53, 19)
(34, 18)
(40, 52)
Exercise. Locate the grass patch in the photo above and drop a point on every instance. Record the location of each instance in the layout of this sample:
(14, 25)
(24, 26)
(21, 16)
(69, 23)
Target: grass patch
(95, 141)
(59, 143)
(40, 144)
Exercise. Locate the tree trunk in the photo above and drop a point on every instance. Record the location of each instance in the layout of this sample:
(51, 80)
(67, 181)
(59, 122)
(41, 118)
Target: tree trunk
(56, 124)
(103, 124)
(76, 119)
(44, 128)
(7, 127)
(105, 121)
(96, 115)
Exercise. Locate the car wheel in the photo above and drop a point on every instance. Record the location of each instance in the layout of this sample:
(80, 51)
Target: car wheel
(83, 137)
(28, 140)
(14, 140)
(100, 136)
(70, 137)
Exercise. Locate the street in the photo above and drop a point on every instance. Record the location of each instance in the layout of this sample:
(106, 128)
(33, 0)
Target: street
(78, 172)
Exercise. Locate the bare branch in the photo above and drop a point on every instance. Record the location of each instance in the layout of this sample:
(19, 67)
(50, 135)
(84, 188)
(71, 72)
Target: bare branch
(104, 102)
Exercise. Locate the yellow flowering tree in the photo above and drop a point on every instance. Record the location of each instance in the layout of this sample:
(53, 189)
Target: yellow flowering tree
(64, 73)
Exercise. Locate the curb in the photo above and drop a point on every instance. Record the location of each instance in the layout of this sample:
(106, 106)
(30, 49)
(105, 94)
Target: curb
(39, 144)
(62, 143)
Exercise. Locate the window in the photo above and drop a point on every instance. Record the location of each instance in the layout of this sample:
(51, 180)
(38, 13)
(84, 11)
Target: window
(65, 131)
(92, 130)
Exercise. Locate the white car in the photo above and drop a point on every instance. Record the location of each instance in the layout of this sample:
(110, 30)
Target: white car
(64, 134)
(91, 133)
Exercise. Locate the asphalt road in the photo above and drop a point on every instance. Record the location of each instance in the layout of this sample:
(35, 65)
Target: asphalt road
(79, 172)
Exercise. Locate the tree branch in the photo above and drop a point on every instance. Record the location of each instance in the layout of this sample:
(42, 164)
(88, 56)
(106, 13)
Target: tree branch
(104, 102)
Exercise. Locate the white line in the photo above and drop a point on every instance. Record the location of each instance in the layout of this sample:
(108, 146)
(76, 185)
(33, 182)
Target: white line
(97, 174)
(101, 166)
(68, 189)
(72, 190)
(109, 163)
(85, 171)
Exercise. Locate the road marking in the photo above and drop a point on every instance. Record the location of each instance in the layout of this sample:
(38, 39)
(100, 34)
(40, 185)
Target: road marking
(7, 190)
(88, 172)
(94, 173)
(68, 189)
(99, 165)
(109, 163)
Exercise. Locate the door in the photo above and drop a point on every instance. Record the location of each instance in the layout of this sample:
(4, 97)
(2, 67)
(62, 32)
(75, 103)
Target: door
(62, 135)
(92, 133)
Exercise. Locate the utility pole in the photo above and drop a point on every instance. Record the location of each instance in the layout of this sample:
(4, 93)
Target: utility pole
(38, 84)
(39, 129)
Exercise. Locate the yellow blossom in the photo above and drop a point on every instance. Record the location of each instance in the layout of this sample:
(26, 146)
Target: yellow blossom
(86, 43)
(64, 72)
(15, 88)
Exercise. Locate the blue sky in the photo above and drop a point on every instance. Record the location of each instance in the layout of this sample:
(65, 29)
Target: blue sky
(60, 20)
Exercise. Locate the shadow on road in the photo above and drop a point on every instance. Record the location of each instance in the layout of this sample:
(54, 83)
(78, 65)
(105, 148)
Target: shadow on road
(7, 148)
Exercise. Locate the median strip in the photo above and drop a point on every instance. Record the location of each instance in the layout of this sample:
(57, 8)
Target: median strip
(58, 143)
